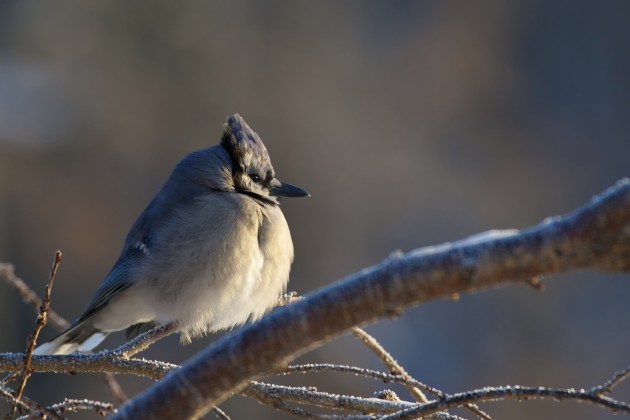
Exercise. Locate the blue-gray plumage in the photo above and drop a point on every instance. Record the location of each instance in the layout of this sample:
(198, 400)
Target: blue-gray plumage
(211, 251)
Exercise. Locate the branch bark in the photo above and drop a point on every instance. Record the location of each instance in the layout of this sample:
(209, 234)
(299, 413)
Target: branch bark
(595, 236)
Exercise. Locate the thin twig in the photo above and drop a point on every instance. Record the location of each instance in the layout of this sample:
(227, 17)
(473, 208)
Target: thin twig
(373, 374)
(354, 370)
(279, 403)
(285, 407)
(28, 295)
(32, 340)
(395, 368)
(301, 395)
(101, 408)
(608, 386)
(144, 340)
(114, 387)
(283, 398)
(507, 392)
(388, 360)
(25, 403)
(220, 414)
(10, 377)
(9, 395)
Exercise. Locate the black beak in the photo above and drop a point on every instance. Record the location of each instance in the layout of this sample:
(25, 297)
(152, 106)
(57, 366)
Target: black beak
(282, 189)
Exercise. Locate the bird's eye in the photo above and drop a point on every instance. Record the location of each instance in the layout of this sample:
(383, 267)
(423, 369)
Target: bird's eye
(255, 178)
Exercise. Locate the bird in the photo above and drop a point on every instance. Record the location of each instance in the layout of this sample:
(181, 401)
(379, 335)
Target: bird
(211, 251)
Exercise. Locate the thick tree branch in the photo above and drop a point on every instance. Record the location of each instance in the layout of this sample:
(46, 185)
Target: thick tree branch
(596, 236)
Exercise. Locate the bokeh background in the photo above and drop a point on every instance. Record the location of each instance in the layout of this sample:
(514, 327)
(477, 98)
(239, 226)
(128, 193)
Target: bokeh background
(410, 123)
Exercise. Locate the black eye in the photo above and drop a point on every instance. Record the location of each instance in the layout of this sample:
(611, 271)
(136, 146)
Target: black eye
(255, 178)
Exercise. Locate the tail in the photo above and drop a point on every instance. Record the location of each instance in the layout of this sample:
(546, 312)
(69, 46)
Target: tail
(82, 336)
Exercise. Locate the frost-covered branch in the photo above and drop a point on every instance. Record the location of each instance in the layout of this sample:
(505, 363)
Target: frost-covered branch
(104, 361)
(510, 392)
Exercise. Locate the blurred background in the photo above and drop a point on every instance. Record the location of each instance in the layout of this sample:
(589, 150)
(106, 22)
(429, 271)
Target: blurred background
(410, 123)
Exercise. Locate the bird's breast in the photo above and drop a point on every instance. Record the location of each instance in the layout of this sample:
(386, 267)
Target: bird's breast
(228, 266)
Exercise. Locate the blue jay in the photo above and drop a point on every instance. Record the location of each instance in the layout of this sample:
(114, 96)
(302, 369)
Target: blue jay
(211, 251)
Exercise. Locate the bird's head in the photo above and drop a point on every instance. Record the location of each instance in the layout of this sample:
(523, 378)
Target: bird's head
(252, 172)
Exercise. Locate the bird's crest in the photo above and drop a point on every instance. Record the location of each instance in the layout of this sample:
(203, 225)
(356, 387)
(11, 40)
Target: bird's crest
(244, 145)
